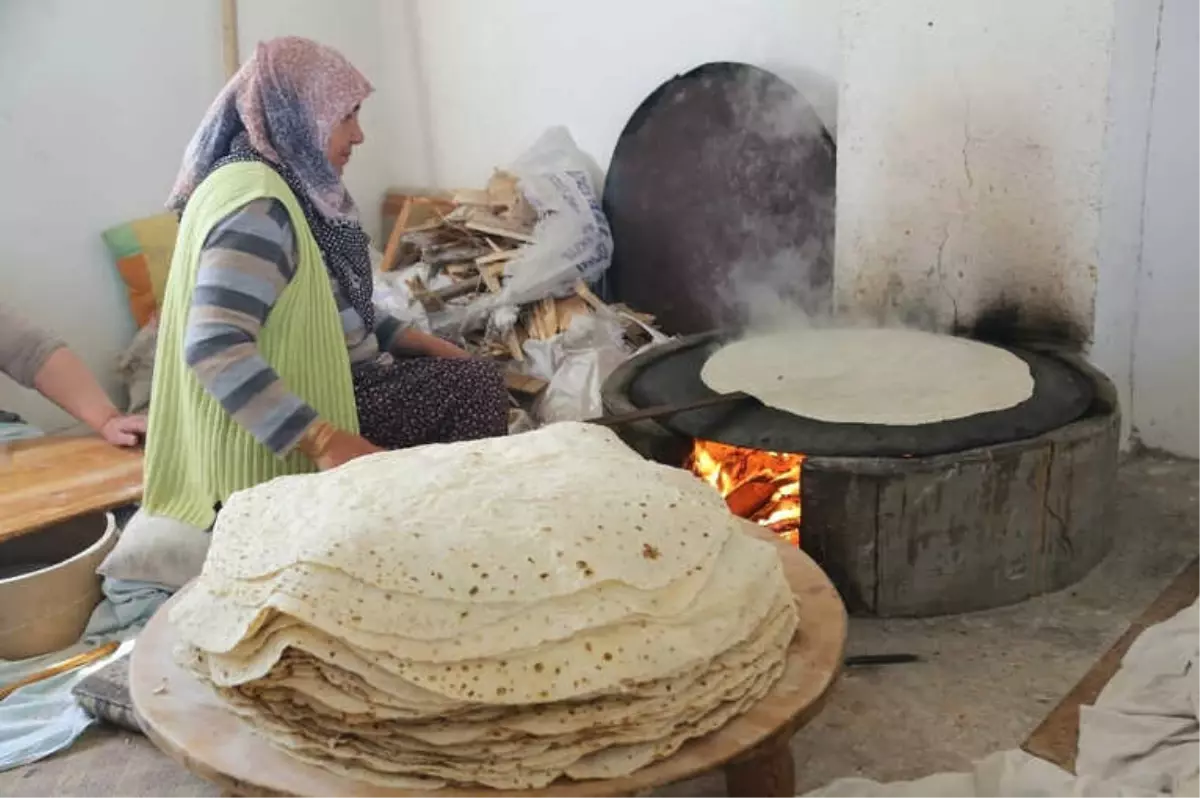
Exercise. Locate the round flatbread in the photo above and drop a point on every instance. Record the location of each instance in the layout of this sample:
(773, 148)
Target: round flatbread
(871, 376)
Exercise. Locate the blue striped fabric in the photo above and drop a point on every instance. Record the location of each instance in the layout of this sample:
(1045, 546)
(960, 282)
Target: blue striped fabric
(246, 262)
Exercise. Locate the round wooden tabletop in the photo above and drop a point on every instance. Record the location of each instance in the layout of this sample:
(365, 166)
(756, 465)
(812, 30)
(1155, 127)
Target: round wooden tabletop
(187, 721)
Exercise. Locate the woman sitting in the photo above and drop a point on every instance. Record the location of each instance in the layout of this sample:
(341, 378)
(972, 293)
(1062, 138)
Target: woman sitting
(272, 358)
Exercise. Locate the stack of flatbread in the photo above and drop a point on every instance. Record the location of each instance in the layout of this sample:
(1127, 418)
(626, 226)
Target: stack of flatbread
(500, 613)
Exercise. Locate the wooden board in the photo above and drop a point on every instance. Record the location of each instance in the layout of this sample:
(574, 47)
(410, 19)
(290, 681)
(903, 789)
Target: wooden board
(1056, 739)
(183, 718)
(47, 480)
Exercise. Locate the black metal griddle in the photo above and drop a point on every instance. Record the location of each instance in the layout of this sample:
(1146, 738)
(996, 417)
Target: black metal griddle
(720, 194)
(1060, 395)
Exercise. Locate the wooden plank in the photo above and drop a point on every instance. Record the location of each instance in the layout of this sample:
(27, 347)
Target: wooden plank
(524, 384)
(586, 294)
(497, 257)
(482, 222)
(1056, 739)
(472, 196)
(229, 37)
(393, 243)
(49, 480)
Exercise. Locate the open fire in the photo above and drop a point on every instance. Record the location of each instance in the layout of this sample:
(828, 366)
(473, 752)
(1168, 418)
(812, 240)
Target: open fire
(761, 486)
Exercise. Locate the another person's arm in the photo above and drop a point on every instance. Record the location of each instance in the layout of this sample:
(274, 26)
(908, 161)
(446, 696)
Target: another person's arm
(40, 361)
(247, 261)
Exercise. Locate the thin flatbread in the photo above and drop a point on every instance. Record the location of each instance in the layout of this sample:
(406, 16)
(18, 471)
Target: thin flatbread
(871, 376)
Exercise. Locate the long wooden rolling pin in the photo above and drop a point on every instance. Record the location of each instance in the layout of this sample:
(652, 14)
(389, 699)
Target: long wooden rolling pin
(658, 411)
(69, 664)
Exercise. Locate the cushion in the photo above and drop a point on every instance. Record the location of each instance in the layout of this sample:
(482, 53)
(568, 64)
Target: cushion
(142, 250)
(105, 695)
(157, 549)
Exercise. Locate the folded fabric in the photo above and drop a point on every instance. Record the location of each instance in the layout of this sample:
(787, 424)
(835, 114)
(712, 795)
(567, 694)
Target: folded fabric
(18, 431)
(157, 550)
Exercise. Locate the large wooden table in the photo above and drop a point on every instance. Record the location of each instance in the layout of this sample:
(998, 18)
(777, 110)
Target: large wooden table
(185, 719)
(47, 480)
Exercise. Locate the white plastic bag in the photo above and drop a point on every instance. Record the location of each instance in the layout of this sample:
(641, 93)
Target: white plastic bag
(576, 362)
(572, 239)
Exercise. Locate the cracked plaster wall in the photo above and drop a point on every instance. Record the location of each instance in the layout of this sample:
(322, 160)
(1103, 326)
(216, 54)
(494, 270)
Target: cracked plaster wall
(971, 158)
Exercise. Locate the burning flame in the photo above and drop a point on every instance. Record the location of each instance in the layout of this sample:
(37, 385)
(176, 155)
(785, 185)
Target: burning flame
(761, 486)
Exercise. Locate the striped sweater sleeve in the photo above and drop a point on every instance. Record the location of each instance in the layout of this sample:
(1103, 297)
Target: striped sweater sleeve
(247, 260)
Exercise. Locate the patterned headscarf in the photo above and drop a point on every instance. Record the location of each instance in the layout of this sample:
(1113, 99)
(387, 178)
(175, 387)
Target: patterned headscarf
(280, 108)
(287, 98)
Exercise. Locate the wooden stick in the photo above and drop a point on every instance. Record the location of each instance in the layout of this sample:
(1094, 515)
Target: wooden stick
(667, 410)
(70, 664)
(229, 36)
(393, 244)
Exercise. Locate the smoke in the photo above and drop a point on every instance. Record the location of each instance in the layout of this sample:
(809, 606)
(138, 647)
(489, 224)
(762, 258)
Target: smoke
(778, 158)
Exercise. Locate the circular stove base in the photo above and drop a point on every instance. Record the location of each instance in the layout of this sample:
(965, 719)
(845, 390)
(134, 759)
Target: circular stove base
(953, 532)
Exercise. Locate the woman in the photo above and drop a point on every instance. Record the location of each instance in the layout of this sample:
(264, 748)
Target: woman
(271, 357)
(36, 359)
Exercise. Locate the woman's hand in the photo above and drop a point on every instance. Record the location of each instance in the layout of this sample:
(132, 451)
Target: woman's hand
(342, 448)
(329, 447)
(122, 430)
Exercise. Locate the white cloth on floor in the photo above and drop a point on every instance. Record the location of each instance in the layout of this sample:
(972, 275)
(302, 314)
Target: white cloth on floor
(43, 718)
(1141, 738)
(1143, 730)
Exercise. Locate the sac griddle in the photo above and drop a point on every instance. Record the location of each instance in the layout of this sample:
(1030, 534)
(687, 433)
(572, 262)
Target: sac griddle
(1060, 395)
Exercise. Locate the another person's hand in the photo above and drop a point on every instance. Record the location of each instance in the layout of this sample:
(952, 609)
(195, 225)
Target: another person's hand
(122, 430)
(342, 448)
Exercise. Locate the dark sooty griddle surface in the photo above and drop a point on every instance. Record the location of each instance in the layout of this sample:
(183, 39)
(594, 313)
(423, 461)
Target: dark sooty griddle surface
(720, 193)
(1060, 395)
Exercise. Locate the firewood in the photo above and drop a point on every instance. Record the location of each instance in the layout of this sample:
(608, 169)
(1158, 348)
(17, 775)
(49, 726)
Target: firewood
(473, 196)
(491, 278)
(502, 189)
(513, 341)
(497, 257)
(442, 255)
(469, 286)
(585, 293)
(493, 225)
(568, 308)
(524, 384)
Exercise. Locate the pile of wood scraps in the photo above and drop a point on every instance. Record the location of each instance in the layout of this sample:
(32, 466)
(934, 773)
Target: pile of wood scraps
(454, 249)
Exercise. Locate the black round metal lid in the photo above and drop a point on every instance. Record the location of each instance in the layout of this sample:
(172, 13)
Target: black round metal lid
(720, 194)
(1060, 395)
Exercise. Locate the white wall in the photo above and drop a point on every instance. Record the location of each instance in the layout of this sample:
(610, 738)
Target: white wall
(970, 158)
(1165, 351)
(98, 101)
(1118, 250)
(498, 73)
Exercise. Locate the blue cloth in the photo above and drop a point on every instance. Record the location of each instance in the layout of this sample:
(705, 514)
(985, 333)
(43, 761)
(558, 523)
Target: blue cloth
(43, 718)
(18, 431)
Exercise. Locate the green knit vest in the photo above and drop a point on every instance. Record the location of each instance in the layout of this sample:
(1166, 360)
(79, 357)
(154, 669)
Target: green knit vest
(196, 454)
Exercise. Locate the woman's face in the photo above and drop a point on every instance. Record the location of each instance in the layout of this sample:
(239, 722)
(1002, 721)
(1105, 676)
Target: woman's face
(344, 137)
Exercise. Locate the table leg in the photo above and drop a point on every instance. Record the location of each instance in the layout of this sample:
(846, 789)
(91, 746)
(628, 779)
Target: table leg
(769, 771)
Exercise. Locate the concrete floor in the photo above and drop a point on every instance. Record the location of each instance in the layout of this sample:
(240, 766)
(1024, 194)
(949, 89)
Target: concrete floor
(986, 681)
